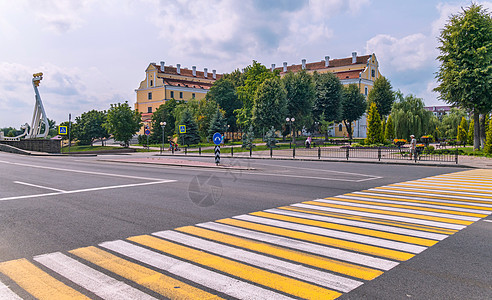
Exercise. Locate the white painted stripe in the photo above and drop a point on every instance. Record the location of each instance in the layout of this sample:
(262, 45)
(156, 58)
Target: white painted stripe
(490, 221)
(450, 208)
(436, 191)
(442, 187)
(402, 210)
(39, 186)
(357, 258)
(431, 200)
(398, 230)
(273, 264)
(336, 234)
(7, 294)
(430, 194)
(381, 216)
(99, 283)
(86, 190)
(222, 283)
(455, 182)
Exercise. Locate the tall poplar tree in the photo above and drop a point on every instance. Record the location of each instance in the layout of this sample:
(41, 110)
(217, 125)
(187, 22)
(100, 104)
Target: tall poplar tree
(353, 106)
(383, 95)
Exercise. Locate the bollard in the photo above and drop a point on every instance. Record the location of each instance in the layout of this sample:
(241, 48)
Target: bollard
(232, 151)
(186, 150)
(250, 151)
(456, 155)
(294, 151)
(200, 150)
(172, 149)
(319, 152)
(379, 153)
(271, 152)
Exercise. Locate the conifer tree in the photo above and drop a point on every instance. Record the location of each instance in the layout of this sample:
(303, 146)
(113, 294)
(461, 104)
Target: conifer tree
(462, 133)
(469, 137)
(389, 131)
(191, 136)
(217, 124)
(374, 128)
(488, 143)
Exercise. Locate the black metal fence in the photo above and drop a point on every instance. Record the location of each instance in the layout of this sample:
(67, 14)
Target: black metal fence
(347, 153)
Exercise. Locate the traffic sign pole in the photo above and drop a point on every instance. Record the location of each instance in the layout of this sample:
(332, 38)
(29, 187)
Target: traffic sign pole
(217, 138)
(217, 154)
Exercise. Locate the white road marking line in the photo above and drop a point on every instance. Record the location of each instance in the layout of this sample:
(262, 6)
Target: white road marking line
(454, 182)
(336, 234)
(99, 283)
(386, 228)
(429, 199)
(361, 259)
(442, 187)
(416, 204)
(434, 190)
(7, 294)
(382, 216)
(82, 172)
(273, 264)
(417, 192)
(222, 283)
(490, 221)
(39, 186)
(86, 190)
(402, 210)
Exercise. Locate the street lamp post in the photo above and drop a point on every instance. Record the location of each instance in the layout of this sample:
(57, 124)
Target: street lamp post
(228, 128)
(290, 121)
(163, 124)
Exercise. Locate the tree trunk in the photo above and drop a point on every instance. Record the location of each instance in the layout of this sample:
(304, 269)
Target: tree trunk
(348, 125)
(476, 130)
(483, 134)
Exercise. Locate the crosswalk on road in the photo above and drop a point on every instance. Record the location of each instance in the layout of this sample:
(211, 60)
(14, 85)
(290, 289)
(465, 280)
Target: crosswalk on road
(317, 249)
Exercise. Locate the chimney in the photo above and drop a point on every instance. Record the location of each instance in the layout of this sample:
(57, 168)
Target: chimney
(327, 61)
(214, 74)
(205, 72)
(162, 66)
(354, 57)
(178, 68)
(304, 64)
(273, 67)
(285, 66)
(194, 71)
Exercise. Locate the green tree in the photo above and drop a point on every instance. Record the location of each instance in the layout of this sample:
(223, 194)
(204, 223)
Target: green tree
(165, 113)
(450, 122)
(382, 94)
(389, 131)
(374, 128)
(462, 135)
(410, 116)
(328, 97)
(465, 73)
(191, 137)
(353, 106)
(123, 122)
(89, 127)
(248, 138)
(488, 142)
(223, 92)
(270, 104)
(217, 124)
(469, 134)
(271, 138)
(300, 96)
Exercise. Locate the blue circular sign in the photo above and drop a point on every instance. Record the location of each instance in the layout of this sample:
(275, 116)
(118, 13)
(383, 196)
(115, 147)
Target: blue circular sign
(217, 138)
(147, 132)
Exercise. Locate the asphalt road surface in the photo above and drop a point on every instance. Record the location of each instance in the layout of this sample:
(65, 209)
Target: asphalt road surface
(83, 226)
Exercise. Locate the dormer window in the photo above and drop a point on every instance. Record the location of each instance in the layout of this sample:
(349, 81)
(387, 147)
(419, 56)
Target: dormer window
(151, 83)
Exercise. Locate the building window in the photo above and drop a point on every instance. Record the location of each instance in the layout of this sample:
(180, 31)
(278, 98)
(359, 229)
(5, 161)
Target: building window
(181, 95)
(193, 95)
(149, 96)
(151, 83)
(172, 95)
(373, 73)
(365, 90)
(149, 109)
(340, 128)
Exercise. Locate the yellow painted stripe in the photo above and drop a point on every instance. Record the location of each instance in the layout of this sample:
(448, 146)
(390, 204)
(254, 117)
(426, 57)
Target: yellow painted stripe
(445, 211)
(387, 212)
(373, 250)
(272, 280)
(472, 184)
(395, 187)
(358, 230)
(421, 201)
(37, 282)
(155, 281)
(400, 224)
(418, 194)
(293, 255)
(444, 187)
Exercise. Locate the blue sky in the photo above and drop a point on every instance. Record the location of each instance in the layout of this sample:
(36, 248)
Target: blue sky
(94, 52)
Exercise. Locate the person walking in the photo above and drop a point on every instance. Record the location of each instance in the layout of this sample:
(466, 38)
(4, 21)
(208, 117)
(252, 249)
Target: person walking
(413, 146)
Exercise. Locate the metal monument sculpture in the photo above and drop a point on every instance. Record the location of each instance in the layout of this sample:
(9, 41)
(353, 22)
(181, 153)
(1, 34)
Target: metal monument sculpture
(39, 116)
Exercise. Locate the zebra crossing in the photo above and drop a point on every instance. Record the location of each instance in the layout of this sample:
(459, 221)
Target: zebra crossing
(317, 249)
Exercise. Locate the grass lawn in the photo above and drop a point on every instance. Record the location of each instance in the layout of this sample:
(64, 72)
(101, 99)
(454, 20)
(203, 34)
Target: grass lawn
(88, 148)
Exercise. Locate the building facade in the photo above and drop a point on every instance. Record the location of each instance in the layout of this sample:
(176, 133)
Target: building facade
(439, 111)
(359, 70)
(163, 83)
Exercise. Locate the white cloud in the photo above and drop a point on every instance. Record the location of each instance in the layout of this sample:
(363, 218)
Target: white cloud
(446, 10)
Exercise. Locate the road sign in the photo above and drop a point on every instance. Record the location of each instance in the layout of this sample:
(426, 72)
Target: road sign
(62, 130)
(147, 132)
(217, 154)
(217, 138)
(182, 128)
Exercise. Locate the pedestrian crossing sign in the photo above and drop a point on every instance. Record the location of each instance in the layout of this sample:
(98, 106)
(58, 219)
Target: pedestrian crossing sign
(62, 130)
(182, 128)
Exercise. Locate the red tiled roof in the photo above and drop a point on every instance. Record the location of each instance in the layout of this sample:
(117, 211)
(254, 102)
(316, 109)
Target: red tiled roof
(353, 74)
(186, 83)
(185, 72)
(333, 64)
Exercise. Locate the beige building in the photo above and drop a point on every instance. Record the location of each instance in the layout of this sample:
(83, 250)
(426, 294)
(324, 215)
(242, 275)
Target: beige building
(163, 83)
